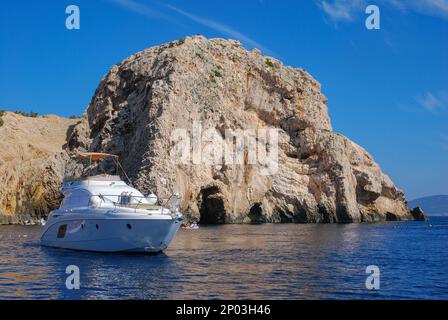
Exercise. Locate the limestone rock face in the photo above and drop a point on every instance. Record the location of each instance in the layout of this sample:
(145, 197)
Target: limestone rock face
(215, 86)
(32, 162)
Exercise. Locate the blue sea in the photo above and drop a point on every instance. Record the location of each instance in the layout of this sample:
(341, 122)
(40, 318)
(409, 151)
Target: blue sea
(268, 261)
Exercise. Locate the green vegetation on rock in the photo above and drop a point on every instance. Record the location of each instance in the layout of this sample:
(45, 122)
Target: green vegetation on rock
(31, 114)
(2, 112)
(269, 63)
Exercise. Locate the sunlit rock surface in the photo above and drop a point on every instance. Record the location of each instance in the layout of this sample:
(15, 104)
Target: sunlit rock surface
(322, 176)
(32, 160)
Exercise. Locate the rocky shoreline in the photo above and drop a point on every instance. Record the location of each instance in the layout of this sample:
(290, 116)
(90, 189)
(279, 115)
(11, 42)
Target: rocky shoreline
(320, 176)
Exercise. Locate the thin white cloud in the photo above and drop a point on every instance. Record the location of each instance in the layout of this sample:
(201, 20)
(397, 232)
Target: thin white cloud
(220, 27)
(142, 9)
(342, 10)
(428, 102)
(433, 102)
(346, 10)
(437, 8)
(151, 12)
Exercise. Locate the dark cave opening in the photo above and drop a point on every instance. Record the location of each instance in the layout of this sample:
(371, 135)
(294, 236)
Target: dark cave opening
(212, 206)
(256, 214)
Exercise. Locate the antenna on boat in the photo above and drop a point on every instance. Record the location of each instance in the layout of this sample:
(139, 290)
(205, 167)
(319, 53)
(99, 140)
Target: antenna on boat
(122, 169)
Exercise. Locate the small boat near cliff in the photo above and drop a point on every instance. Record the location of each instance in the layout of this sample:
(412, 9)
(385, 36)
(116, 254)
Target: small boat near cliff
(102, 213)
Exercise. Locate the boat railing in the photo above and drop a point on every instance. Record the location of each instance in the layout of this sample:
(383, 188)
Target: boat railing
(173, 203)
(121, 201)
(138, 202)
(111, 201)
(116, 201)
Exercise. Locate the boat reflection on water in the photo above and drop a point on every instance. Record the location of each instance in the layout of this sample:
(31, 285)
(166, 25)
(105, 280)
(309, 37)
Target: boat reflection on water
(112, 275)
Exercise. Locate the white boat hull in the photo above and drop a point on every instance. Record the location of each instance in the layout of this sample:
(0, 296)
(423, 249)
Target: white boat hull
(111, 234)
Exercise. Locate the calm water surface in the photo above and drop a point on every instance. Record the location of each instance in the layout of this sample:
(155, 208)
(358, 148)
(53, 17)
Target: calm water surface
(289, 261)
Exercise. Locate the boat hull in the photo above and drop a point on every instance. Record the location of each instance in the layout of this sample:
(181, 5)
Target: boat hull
(110, 235)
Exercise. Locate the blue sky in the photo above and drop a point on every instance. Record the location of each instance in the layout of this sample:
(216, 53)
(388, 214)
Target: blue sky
(387, 89)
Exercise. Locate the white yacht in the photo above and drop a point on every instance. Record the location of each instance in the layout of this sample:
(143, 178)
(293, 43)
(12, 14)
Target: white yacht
(102, 213)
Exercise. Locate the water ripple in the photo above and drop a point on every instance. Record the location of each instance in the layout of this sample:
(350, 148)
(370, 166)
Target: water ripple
(289, 261)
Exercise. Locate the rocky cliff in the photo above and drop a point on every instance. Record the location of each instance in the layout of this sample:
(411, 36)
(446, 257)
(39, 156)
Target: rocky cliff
(31, 165)
(170, 112)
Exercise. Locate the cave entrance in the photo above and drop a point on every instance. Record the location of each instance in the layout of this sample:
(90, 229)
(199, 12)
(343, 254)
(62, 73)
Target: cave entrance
(256, 214)
(212, 206)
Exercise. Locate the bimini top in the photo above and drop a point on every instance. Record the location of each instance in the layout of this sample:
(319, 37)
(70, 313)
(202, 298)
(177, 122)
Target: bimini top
(94, 156)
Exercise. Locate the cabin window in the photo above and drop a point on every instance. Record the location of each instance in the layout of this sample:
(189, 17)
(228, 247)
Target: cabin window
(61, 231)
